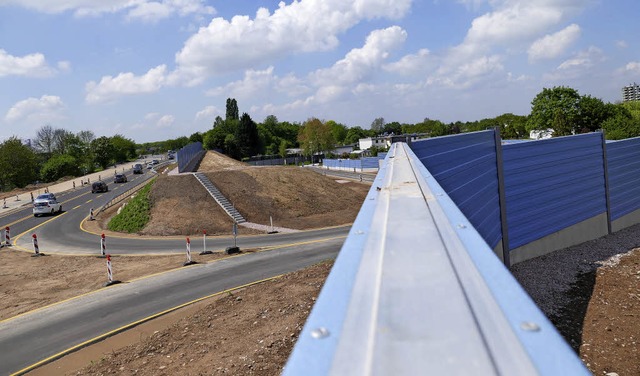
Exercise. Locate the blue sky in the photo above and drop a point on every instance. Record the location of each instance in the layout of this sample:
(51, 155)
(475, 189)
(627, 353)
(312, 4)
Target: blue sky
(157, 69)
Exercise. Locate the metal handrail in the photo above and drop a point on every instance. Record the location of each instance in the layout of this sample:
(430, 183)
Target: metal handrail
(416, 290)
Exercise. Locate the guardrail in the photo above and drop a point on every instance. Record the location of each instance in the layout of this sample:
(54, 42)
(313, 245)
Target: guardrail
(416, 290)
(124, 195)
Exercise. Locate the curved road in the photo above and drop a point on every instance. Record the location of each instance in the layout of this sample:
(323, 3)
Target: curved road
(28, 339)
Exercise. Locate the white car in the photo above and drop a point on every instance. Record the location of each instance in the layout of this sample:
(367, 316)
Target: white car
(46, 206)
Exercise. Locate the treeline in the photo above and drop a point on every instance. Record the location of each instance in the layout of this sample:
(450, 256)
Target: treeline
(56, 153)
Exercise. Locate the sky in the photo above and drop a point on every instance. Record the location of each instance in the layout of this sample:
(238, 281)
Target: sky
(152, 70)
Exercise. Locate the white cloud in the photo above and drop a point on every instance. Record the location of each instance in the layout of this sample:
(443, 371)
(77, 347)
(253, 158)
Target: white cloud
(254, 83)
(480, 69)
(208, 113)
(584, 59)
(64, 66)
(302, 26)
(165, 121)
(242, 42)
(621, 44)
(411, 64)
(135, 9)
(360, 63)
(512, 23)
(579, 65)
(632, 67)
(36, 111)
(110, 87)
(553, 45)
(32, 65)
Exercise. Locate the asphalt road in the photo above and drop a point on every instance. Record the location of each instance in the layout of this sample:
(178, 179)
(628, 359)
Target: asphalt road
(33, 337)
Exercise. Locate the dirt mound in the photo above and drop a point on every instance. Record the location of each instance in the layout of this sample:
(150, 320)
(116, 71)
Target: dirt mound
(292, 196)
(214, 161)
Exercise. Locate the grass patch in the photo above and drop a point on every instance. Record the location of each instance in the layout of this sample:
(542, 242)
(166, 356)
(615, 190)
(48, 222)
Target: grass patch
(135, 215)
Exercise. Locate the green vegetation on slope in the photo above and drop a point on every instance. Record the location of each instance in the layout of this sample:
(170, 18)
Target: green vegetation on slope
(135, 215)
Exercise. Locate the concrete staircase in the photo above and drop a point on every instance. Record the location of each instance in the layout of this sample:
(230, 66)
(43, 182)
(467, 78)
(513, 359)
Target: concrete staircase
(220, 199)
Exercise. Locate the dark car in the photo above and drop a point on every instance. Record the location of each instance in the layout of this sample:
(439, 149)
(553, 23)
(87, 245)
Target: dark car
(120, 178)
(99, 186)
(137, 168)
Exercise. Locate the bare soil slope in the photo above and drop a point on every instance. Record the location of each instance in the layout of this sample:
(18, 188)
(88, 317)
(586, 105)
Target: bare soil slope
(292, 196)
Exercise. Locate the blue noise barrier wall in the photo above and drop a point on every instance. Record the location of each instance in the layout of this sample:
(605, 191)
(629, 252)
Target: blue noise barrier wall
(623, 160)
(465, 166)
(552, 184)
(189, 156)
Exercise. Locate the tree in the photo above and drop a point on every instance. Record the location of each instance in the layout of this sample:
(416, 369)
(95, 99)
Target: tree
(102, 150)
(86, 137)
(377, 125)
(232, 109)
(559, 107)
(218, 122)
(59, 166)
(195, 137)
(45, 139)
(393, 127)
(18, 164)
(339, 131)
(246, 136)
(593, 112)
(354, 135)
(123, 149)
(282, 149)
(315, 137)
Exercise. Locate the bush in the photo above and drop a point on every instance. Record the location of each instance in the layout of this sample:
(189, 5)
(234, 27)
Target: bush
(135, 215)
(59, 166)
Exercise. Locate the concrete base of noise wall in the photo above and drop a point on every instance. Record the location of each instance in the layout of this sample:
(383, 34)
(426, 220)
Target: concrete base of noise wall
(589, 229)
(625, 221)
(498, 251)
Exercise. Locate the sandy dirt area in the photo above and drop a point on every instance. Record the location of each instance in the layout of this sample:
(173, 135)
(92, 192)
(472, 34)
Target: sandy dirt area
(252, 331)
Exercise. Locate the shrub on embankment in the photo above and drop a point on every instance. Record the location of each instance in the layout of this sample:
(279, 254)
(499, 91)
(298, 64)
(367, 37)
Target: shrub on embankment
(135, 215)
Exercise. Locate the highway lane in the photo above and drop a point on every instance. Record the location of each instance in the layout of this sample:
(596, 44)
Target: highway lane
(62, 235)
(33, 337)
(22, 219)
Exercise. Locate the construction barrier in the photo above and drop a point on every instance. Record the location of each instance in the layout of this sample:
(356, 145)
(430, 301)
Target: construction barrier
(91, 214)
(36, 249)
(189, 261)
(103, 246)
(7, 237)
(110, 280)
(204, 244)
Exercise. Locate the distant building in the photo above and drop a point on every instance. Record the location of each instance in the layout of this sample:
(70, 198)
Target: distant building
(385, 141)
(541, 134)
(631, 93)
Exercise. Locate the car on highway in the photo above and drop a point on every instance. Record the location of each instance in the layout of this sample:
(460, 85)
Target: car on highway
(99, 186)
(120, 178)
(137, 168)
(46, 206)
(46, 196)
(155, 162)
(149, 166)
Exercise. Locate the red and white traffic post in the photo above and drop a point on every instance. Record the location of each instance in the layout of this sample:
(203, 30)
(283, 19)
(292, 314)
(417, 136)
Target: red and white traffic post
(204, 244)
(36, 249)
(189, 261)
(103, 246)
(110, 280)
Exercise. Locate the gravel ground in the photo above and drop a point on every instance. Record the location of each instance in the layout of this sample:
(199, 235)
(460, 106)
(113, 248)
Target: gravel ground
(548, 278)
